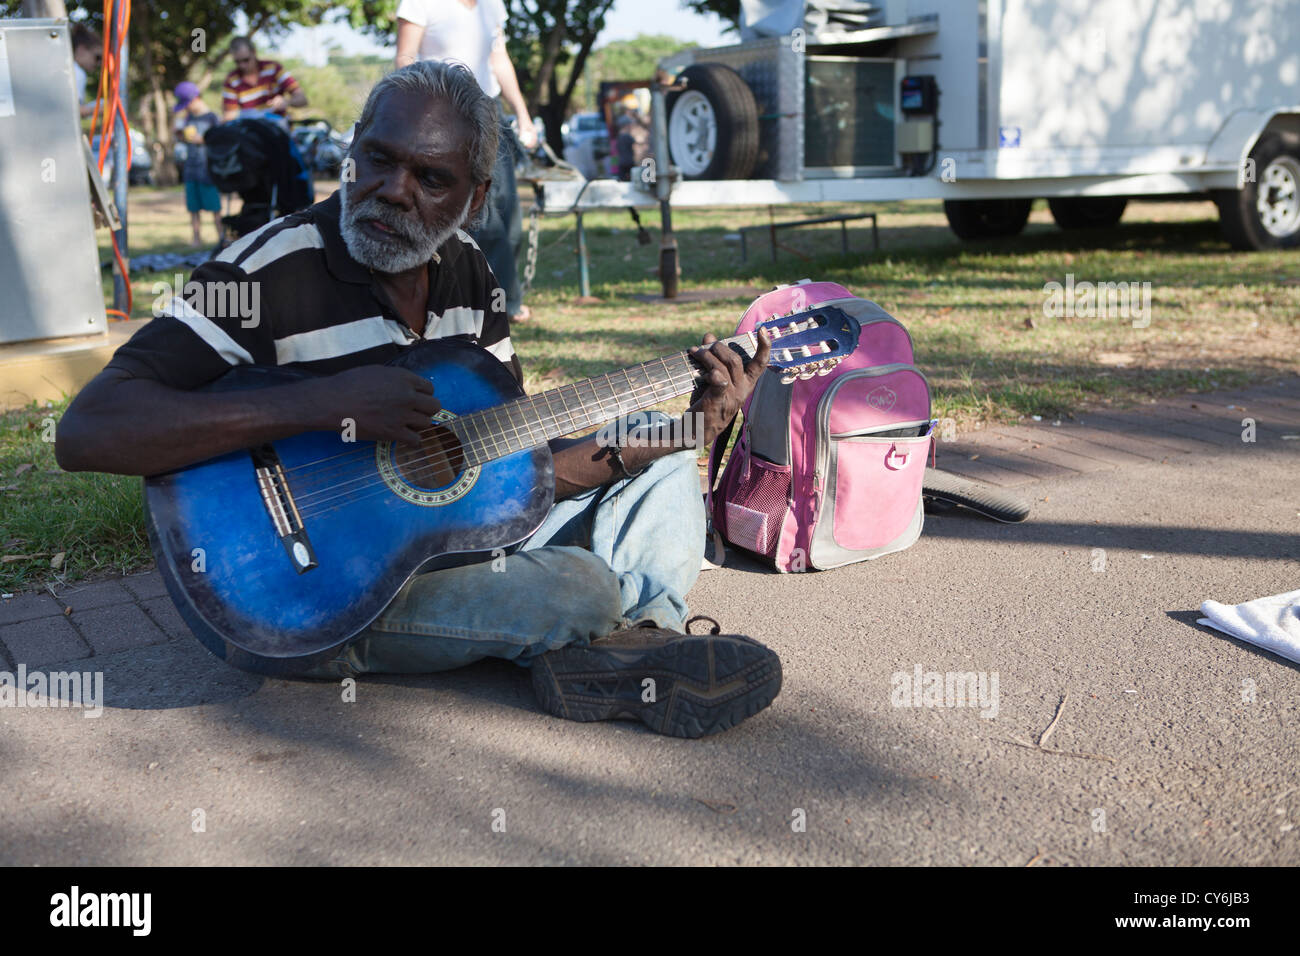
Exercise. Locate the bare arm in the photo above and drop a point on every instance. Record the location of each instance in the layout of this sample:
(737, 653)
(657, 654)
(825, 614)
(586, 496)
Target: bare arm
(409, 36)
(504, 71)
(136, 426)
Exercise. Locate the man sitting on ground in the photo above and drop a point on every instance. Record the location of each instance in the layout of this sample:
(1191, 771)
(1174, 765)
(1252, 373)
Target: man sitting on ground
(594, 602)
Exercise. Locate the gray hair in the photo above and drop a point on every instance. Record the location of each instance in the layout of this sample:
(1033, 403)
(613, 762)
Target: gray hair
(455, 83)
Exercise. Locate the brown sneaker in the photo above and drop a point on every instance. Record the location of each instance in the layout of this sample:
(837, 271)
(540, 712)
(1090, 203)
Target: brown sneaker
(684, 685)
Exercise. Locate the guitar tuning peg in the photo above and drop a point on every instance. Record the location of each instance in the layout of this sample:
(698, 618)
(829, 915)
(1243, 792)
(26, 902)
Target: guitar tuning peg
(823, 368)
(788, 379)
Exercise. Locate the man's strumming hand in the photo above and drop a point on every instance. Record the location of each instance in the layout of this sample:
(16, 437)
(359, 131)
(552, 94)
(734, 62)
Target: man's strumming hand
(385, 403)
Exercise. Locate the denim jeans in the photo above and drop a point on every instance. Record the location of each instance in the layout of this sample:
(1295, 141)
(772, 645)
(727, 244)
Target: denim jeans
(501, 231)
(611, 557)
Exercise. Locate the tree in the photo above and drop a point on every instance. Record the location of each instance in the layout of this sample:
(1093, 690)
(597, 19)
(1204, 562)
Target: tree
(175, 40)
(634, 59)
(542, 35)
(727, 10)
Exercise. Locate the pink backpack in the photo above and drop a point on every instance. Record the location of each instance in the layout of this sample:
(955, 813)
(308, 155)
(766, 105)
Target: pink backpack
(828, 468)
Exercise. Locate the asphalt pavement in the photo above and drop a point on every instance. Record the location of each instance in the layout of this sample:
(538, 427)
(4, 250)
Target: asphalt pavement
(1165, 742)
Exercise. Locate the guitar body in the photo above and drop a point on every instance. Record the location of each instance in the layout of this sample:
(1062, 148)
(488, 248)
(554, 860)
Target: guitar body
(369, 519)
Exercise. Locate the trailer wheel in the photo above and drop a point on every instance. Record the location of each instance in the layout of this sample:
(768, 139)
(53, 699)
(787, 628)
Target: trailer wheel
(1087, 212)
(986, 218)
(713, 124)
(1265, 214)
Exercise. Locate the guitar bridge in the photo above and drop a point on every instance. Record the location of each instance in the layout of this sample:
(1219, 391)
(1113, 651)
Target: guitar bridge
(281, 509)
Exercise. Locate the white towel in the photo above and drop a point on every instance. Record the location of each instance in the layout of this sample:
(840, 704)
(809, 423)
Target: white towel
(1272, 623)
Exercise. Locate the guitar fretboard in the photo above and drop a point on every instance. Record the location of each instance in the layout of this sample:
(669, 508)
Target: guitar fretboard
(536, 419)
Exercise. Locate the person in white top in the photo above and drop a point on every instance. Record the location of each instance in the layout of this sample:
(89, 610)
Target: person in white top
(86, 59)
(473, 32)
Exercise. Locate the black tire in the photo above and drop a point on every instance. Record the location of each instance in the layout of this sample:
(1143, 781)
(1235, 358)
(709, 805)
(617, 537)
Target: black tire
(735, 114)
(1087, 212)
(987, 218)
(1277, 173)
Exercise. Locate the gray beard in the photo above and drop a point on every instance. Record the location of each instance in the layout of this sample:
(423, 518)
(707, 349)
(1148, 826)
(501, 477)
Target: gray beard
(409, 248)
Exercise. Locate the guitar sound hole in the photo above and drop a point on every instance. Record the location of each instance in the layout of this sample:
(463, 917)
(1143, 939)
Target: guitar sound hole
(435, 463)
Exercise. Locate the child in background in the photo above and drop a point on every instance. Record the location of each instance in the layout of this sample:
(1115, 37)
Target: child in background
(200, 193)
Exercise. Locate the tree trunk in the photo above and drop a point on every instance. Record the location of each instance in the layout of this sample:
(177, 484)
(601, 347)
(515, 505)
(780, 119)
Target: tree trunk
(546, 72)
(154, 106)
(557, 106)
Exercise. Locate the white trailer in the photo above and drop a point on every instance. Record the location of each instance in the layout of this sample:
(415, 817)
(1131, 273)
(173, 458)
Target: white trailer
(986, 105)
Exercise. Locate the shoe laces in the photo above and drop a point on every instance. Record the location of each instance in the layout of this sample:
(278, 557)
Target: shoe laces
(716, 627)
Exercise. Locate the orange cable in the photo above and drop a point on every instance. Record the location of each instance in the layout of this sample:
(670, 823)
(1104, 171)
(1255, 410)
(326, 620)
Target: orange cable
(110, 93)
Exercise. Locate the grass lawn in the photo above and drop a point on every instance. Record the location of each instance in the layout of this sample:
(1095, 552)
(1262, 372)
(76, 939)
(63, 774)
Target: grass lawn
(975, 310)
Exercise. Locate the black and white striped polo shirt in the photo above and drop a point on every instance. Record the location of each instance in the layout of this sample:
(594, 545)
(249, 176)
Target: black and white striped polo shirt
(290, 294)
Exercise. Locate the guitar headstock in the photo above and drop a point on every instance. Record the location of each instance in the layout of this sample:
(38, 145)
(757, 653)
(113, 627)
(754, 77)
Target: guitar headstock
(811, 342)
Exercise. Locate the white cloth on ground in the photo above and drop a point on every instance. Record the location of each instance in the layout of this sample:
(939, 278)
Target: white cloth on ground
(1272, 623)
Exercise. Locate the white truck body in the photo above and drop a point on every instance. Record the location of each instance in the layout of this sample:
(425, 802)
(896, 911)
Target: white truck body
(1037, 98)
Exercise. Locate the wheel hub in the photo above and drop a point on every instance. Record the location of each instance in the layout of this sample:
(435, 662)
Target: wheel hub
(692, 133)
(1278, 203)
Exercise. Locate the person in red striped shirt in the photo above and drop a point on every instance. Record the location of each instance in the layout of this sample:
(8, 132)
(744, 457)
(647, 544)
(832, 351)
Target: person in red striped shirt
(256, 84)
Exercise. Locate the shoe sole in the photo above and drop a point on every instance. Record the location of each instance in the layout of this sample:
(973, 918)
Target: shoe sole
(703, 683)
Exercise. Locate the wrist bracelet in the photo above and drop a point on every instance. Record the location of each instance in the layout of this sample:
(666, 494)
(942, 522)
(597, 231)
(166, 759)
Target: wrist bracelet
(616, 454)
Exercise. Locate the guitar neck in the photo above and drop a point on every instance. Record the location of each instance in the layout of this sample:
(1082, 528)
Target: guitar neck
(536, 419)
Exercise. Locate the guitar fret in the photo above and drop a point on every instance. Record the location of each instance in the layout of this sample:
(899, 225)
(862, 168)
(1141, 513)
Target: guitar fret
(505, 438)
(650, 381)
(528, 408)
(630, 391)
(550, 412)
(525, 409)
(583, 419)
(519, 428)
(515, 437)
(480, 447)
(595, 399)
(613, 395)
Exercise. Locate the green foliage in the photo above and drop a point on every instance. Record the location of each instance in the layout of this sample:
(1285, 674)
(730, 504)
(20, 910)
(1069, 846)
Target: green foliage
(626, 60)
(174, 40)
(542, 36)
(728, 10)
(338, 90)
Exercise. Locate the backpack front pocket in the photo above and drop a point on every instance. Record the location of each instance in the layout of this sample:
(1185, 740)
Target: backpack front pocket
(873, 489)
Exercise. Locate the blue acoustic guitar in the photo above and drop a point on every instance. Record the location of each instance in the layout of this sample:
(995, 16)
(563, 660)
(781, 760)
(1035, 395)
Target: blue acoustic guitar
(279, 555)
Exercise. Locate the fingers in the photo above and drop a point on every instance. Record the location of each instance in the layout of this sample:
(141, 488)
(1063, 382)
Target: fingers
(418, 382)
(716, 373)
(427, 406)
(735, 366)
(758, 364)
(709, 338)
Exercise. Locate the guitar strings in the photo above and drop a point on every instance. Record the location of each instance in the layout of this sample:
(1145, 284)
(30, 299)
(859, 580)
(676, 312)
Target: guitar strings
(416, 466)
(479, 448)
(371, 487)
(473, 417)
(794, 326)
(311, 504)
